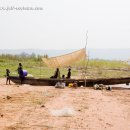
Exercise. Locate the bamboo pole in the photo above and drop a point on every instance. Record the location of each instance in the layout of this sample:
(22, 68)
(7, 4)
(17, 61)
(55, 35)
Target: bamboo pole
(86, 57)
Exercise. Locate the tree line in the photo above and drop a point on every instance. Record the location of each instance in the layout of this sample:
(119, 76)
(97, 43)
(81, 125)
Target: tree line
(22, 56)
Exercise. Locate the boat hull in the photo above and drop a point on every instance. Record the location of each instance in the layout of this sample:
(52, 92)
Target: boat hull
(84, 82)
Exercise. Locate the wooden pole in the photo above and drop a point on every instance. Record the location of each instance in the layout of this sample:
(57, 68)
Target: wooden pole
(40, 68)
(86, 39)
(86, 56)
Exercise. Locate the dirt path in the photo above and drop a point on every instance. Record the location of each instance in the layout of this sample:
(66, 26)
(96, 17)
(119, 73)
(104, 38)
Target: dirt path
(94, 110)
(35, 108)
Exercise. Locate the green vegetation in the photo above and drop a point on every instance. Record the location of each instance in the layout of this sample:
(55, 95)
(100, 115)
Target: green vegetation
(96, 63)
(36, 67)
(105, 68)
(33, 64)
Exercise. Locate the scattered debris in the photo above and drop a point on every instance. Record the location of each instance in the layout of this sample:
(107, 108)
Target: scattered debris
(79, 110)
(108, 88)
(73, 85)
(60, 84)
(42, 105)
(81, 86)
(1, 115)
(127, 83)
(70, 85)
(98, 86)
(102, 86)
(8, 97)
(65, 112)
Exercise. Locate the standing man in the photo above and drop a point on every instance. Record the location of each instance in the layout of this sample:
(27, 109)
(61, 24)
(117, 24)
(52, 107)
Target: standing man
(19, 68)
(69, 73)
(20, 72)
(7, 76)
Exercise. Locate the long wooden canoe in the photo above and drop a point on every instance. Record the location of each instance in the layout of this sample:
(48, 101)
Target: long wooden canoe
(88, 82)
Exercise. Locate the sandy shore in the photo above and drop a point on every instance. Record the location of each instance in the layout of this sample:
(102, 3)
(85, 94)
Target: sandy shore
(25, 107)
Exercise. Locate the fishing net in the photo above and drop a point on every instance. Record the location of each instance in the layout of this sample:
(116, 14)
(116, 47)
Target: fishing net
(65, 60)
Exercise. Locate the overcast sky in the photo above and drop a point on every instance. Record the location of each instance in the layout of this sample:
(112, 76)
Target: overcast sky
(62, 24)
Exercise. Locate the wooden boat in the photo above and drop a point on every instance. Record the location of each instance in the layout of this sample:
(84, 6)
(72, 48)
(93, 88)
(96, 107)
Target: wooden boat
(84, 82)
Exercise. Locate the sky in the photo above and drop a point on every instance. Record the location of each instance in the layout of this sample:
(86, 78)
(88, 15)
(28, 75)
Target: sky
(63, 24)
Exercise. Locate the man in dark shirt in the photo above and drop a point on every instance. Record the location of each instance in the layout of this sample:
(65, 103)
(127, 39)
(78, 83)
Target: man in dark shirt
(20, 72)
(7, 76)
(69, 74)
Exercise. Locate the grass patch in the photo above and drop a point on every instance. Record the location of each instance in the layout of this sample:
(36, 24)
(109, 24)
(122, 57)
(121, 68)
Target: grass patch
(37, 68)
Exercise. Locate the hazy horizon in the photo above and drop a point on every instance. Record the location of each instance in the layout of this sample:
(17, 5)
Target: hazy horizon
(102, 53)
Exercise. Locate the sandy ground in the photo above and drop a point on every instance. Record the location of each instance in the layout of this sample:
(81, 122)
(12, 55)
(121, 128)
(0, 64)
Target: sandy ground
(25, 107)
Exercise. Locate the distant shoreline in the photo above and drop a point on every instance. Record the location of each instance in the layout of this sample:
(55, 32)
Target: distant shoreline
(101, 53)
